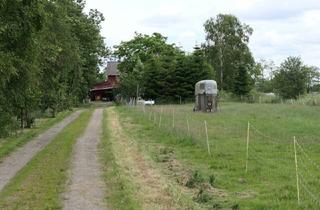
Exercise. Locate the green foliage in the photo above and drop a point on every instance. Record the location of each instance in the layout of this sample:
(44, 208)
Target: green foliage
(227, 47)
(291, 78)
(50, 53)
(242, 83)
(132, 82)
(159, 70)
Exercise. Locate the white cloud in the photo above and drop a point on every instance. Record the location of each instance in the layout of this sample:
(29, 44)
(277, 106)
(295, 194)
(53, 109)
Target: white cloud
(281, 28)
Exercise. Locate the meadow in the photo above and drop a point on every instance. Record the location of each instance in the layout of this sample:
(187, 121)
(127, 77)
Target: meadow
(252, 168)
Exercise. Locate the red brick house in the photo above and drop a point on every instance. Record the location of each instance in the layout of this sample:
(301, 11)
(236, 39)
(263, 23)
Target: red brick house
(104, 91)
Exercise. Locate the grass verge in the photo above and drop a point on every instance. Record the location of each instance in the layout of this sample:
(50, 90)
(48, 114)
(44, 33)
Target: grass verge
(119, 189)
(39, 184)
(7, 145)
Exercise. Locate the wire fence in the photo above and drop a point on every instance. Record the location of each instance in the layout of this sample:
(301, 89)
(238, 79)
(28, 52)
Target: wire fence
(262, 153)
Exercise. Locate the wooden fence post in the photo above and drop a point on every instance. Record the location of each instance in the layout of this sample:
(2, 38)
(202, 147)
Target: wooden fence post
(160, 118)
(173, 118)
(248, 141)
(296, 163)
(188, 126)
(207, 138)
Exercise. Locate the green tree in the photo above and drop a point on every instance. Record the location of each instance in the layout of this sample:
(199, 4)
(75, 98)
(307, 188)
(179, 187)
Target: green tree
(168, 74)
(132, 83)
(313, 75)
(243, 82)
(264, 71)
(291, 79)
(227, 47)
(21, 22)
(158, 61)
(50, 54)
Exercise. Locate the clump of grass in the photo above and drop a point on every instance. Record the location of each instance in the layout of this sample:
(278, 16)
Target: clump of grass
(164, 154)
(235, 206)
(212, 180)
(40, 183)
(195, 179)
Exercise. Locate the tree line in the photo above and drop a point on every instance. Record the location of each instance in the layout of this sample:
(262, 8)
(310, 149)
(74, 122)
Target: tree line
(50, 53)
(152, 68)
(290, 80)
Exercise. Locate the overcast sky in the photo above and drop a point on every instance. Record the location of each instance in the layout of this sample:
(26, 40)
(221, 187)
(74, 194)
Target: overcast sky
(282, 28)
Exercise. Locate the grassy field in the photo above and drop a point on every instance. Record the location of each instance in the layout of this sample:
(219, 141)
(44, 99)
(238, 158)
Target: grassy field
(270, 182)
(40, 183)
(9, 144)
(119, 190)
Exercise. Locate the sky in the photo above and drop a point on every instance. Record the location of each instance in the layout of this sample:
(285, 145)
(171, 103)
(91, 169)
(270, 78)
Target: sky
(282, 28)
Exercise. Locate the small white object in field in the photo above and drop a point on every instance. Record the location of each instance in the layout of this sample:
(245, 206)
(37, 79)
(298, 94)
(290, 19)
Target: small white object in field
(270, 94)
(149, 102)
(145, 102)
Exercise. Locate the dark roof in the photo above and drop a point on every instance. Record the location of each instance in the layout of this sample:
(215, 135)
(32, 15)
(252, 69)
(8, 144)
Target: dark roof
(111, 83)
(112, 68)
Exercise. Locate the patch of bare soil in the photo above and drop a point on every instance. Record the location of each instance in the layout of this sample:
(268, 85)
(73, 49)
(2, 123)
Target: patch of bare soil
(86, 188)
(152, 187)
(19, 158)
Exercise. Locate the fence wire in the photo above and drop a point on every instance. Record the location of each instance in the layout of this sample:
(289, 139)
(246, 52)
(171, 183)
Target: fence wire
(262, 147)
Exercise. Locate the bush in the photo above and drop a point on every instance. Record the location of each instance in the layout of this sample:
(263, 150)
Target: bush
(7, 124)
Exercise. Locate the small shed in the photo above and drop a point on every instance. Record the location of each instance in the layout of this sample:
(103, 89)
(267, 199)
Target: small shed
(206, 96)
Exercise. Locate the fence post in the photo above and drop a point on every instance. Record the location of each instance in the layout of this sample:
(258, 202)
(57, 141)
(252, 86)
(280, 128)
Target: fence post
(259, 99)
(207, 138)
(188, 126)
(296, 163)
(173, 118)
(154, 118)
(248, 141)
(160, 117)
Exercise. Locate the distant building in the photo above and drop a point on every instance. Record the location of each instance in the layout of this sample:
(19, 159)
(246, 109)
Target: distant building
(104, 91)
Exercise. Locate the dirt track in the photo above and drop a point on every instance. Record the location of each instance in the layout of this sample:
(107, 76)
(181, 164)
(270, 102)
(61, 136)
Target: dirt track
(19, 158)
(86, 187)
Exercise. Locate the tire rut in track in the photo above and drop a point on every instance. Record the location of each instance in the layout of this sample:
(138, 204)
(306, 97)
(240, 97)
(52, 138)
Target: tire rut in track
(19, 158)
(85, 189)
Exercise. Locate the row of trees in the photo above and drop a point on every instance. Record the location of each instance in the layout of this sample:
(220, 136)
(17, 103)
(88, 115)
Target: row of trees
(154, 69)
(290, 80)
(50, 52)
(162, 71)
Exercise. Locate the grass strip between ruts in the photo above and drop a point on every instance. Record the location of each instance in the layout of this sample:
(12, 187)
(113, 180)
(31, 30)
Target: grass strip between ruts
(40, 183)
